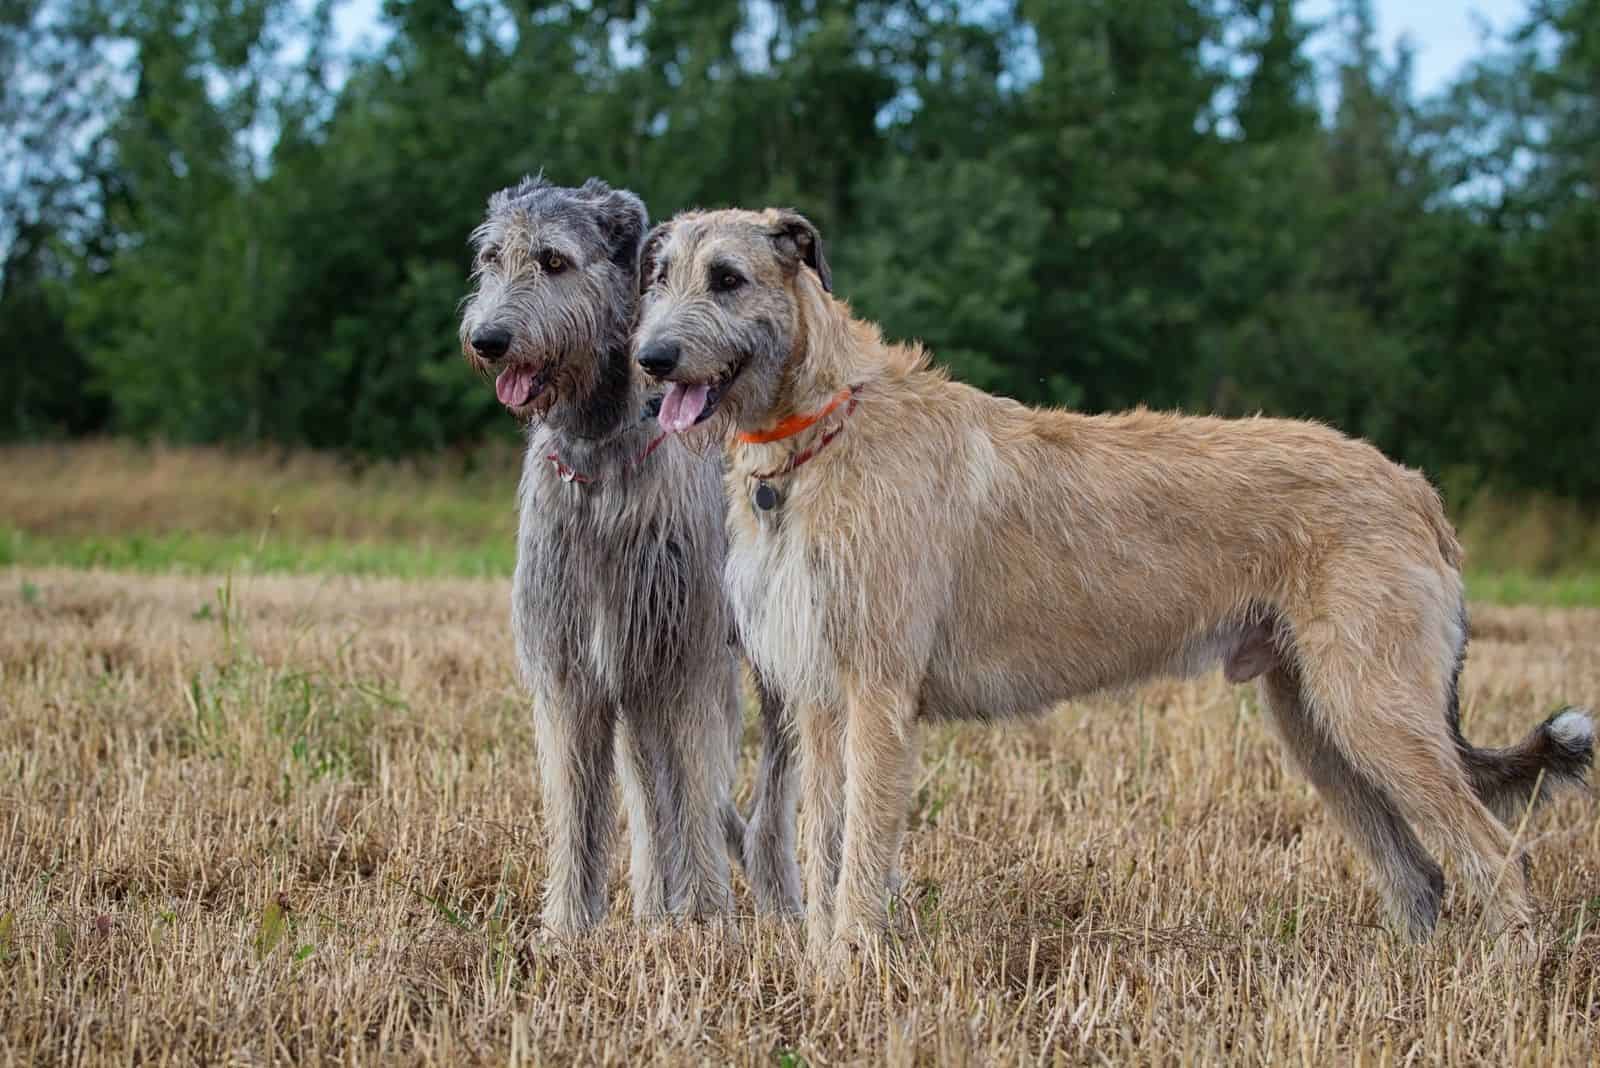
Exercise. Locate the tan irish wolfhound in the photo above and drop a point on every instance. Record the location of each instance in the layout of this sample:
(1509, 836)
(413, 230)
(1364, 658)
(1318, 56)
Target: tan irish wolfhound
(907, 547)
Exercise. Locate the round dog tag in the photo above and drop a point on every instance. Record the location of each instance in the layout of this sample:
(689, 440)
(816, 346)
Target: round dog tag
(766, 497)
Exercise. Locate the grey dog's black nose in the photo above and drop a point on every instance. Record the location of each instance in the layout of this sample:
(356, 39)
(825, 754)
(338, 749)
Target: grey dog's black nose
(491, 342)
(660, 358)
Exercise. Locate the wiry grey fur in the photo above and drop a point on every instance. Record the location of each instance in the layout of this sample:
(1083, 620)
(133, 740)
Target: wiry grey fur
(621, 626)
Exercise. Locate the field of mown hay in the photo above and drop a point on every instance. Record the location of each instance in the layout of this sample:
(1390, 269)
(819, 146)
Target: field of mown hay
(293, 819)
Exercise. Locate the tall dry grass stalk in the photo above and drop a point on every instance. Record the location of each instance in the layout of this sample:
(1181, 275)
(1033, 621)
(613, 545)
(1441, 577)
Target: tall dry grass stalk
(294, 820)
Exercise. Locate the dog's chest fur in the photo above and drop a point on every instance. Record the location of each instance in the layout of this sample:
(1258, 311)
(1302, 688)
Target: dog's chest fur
(778, 590)
(617, 584)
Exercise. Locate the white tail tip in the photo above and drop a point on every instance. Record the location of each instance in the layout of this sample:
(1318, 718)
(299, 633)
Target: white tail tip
(1573, 728)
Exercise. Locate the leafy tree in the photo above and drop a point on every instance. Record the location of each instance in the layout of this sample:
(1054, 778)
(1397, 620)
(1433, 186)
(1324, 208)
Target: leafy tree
(53, 84)
(177, 323)
(214, 226)
(1121, 148)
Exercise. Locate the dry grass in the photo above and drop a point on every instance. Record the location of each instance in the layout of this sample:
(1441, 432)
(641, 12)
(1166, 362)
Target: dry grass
(206, 510)
(105, 487)
(298, 823)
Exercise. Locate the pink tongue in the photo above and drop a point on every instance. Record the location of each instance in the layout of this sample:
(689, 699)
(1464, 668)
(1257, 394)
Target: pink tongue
(513, 386)
(681, 405)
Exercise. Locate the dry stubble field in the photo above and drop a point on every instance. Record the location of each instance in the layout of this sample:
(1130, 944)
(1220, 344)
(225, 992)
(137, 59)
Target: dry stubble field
(294, 819)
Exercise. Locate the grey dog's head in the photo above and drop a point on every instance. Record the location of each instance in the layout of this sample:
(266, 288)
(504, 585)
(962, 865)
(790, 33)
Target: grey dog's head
(555, 282)
(720, 314)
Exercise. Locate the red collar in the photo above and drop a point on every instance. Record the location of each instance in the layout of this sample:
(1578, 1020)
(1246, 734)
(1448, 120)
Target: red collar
(569, 474)
(793, 425)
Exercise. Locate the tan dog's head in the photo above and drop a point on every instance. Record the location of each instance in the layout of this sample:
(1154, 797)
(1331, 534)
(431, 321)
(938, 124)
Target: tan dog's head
(720, 314)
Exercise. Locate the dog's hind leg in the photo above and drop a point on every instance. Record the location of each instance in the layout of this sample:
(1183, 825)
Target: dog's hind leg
(768, 849)
(1383, 711)
(574, 743)
(1409, 880)
(1427, 780)
(733, 827)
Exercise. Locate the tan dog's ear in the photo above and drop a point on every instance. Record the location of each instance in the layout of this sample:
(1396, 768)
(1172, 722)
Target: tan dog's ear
(649, 254)
(798, 239)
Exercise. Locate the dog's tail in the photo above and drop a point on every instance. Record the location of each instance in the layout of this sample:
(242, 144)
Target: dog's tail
(1555, 754)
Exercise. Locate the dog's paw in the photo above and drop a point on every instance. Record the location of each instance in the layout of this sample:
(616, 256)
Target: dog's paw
(558, 939)
(706, 905)
(564, 926)
(720, 927)
(1515, 947)
(847, 955)
(819, 933)
(836, 960)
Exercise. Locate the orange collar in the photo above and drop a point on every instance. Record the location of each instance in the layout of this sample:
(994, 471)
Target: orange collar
(794, 425)
(791, 426)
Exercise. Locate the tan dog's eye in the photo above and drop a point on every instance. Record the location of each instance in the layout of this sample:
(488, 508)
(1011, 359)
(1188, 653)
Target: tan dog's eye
(489, 255)
(726, 281)
(553, 262)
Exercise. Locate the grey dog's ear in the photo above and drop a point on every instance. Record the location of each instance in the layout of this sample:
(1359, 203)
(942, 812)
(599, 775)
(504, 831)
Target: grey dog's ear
(798, 239)
(623, 218)
(650, 254)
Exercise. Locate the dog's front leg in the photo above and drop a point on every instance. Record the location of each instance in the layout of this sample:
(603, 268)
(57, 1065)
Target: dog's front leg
(575, 761)
(657, 859)
(879, 757)
(822, 815)
(677, 790)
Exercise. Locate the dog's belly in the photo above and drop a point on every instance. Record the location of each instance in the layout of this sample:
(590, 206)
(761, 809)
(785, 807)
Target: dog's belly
(988, 694)
(985, 681)
(1036, 659)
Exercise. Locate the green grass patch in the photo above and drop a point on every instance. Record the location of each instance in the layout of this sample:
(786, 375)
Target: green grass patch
(1577, 590)
(421, 558)
(217, 553)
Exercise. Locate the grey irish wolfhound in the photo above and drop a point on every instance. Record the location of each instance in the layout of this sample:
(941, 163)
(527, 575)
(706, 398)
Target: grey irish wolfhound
(904, 547)
(621, 626)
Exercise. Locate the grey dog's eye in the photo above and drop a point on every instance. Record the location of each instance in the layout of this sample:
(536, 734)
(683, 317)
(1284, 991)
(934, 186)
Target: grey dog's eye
(552, 261)
(726, 281)
(489, 255)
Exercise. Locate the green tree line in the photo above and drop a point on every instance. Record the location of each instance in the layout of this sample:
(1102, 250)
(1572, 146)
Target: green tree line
(219, 225)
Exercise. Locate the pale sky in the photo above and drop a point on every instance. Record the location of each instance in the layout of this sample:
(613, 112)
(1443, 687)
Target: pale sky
(1444, 33)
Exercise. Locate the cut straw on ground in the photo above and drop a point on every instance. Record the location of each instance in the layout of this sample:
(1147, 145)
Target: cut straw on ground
(276, 818)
